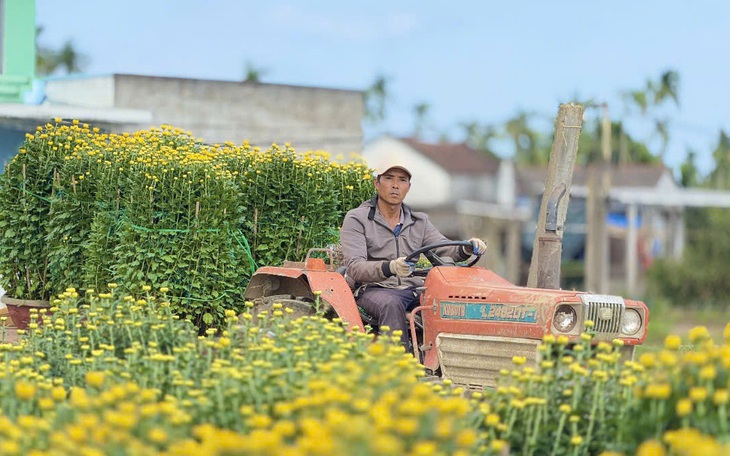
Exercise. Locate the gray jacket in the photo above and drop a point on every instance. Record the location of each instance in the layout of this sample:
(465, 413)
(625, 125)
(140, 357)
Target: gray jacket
(369, 244)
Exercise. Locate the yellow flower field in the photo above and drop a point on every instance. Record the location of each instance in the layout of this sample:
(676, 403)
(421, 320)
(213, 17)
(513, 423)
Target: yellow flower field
(165, 357)
(110, 373)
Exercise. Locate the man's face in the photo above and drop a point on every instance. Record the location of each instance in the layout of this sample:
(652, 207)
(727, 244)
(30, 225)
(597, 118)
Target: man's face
(392, 186)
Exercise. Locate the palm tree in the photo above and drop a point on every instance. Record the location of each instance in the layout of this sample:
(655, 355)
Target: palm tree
(668, 88)
(69, 58)
(525, 138)
(252, 73)
(627, 150)
(656, 94)
(376, 98)
(421, 112)
(479, 136)
(48, 60)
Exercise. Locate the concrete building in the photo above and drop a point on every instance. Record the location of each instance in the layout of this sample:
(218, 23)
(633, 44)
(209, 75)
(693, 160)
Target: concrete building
(308, 118)
(219, 111)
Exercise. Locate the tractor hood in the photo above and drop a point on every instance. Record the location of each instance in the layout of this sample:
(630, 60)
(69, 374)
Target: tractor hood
(479, 283)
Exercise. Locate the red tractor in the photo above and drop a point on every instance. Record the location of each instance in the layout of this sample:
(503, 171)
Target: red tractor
(470, 322)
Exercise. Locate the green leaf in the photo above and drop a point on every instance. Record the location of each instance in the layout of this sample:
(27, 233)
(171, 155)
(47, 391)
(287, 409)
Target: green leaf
(207, 318)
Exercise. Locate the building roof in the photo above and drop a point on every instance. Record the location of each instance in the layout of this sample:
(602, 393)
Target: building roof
(627, 175)
(630, 175)
(455, 158)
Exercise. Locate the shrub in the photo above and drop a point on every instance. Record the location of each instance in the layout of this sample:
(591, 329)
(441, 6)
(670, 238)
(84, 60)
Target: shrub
(700, 278)
(82, 208)
(26, 195)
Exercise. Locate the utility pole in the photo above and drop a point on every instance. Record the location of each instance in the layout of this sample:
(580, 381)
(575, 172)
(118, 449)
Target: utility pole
(548, 247)
(599, 183)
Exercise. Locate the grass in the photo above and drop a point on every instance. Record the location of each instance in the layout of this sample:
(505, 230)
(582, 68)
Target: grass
(665, 319)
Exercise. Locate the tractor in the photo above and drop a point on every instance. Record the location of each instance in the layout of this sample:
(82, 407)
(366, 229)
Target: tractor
(470, 322)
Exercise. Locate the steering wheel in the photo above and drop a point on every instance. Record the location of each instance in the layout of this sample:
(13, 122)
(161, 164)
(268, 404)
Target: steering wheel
(435, 260)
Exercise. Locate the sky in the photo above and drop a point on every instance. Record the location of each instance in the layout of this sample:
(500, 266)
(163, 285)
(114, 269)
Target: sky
(471, 61)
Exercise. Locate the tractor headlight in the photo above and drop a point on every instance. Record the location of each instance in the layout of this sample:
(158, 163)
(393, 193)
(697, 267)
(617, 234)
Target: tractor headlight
(565, 318)
(630, 322)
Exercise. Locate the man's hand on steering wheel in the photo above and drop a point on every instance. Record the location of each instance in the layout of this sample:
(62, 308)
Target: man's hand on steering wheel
(478, 247)
(428, 251)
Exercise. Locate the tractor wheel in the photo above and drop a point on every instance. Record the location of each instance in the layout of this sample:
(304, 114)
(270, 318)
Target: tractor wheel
(299, 307)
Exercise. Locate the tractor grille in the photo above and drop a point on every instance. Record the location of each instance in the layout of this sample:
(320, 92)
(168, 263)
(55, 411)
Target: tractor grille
(474, 361)
(605, 311)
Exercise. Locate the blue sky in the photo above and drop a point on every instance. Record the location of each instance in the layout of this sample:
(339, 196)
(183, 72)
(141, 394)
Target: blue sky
(471, 61)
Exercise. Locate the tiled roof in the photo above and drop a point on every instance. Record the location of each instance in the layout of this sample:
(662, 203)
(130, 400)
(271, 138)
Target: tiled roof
(456, 158)
(630, 175)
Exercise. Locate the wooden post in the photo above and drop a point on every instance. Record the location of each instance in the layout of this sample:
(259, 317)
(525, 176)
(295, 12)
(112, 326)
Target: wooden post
(632, 257)
(592, 246)
(547, 248)
(599, 183)
(514, 238)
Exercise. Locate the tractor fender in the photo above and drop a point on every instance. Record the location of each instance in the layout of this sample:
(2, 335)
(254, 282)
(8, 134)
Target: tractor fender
(337, 293)
(307, 281)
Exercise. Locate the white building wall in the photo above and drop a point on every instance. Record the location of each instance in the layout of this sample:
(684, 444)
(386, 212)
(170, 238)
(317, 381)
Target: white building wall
(666, 182)
(430, 185)
(88, 92)
(474, 188)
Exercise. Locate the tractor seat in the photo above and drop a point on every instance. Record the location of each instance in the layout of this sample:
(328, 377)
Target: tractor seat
(368, 319)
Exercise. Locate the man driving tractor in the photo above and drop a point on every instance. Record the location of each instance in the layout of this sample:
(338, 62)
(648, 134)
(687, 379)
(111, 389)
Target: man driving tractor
(376, 238)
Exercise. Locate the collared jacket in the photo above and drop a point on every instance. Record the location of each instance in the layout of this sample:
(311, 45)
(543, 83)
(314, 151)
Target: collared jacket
(369, 244)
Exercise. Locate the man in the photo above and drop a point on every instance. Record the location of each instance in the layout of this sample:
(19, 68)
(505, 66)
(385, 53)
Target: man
(376, 238)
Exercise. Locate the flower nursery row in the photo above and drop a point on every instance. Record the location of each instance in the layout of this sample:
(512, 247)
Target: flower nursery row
(113, 373)
(83, 208)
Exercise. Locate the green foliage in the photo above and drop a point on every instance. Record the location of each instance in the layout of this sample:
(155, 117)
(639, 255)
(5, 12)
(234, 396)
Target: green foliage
(49, 61)
(624, 149)
(25, 191)
(584, 398)
(700, 278)
(720, 176)
(161, 209)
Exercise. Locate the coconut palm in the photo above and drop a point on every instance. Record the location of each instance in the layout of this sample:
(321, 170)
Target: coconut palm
(376, 99)
(421, 112)
(49, 61)
(479, 136)
(525, 140)
(651, 99)
(69, 59)
(253, 73)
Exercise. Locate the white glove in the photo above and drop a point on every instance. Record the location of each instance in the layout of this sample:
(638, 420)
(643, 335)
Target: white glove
(478, 247)
(401, 267)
